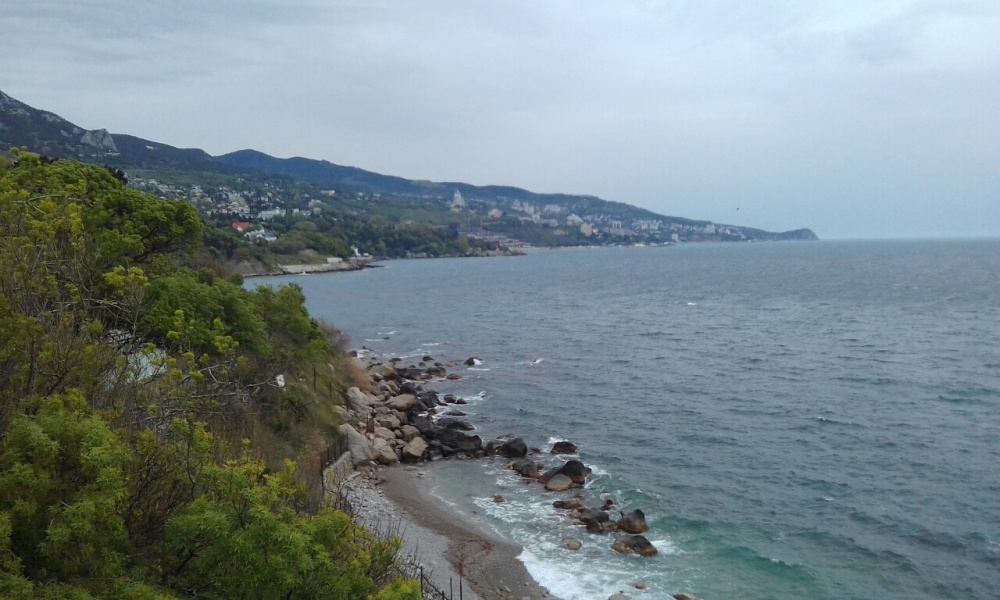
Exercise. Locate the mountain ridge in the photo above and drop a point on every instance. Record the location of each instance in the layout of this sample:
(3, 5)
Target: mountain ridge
(49, 134)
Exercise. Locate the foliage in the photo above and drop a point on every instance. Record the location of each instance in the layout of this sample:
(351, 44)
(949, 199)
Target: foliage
(137, 397)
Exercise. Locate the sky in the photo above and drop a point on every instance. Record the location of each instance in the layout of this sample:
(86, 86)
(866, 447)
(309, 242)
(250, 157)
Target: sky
(856, 118)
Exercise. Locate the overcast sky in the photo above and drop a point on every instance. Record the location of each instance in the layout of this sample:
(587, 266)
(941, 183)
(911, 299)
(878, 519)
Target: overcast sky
(857, 118)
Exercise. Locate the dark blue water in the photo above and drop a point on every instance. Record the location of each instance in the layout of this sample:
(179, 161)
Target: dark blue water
(798, 420)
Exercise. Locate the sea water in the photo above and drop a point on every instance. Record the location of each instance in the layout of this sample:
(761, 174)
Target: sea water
(796, 420)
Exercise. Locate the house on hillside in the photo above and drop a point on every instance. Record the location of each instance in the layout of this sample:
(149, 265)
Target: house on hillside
(241, 226)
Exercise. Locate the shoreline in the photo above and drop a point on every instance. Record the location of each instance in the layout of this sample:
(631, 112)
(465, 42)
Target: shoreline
(453, 549)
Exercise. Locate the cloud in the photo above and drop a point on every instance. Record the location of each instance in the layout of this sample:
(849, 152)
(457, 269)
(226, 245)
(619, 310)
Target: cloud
(813, 112)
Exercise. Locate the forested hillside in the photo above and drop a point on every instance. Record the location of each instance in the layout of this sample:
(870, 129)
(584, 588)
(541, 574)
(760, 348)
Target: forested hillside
(148, 446)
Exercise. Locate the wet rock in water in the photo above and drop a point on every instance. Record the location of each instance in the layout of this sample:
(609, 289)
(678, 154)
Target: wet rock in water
(428, 358)
(588, 515)
(618, 596)
(456, 424)
(576, 471)
(499, 499)
(641, 585)
(449, 398)
(514, 448)
(461, 401)
(683, 596)
(491, 447)
(472, 361)
(409, 387)
(455, 413)
(633, 522)
(526, 467)
(558, 483)
(608, 503)
(571, 543)
(410, 372)
(453, 376)
(576, 502)
(435, 371)
(634, 543)
(564, 448)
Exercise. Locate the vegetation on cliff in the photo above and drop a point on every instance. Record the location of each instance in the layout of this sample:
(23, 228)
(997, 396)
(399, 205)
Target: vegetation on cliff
(148, 446)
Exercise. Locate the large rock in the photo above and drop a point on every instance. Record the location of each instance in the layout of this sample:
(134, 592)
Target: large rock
(633, 543)
(472, 361)
(514, 448)
(385, 453)
(359, 399)
(571, 543)
(558, 483)
(576, 502)
(388, 421)
(414, 450)
(526, 467)
(619, 596)
(409, 432)
(575, 470)
(564, 448)
(361, 449)
(594, 515)
(385, 434)
(633, 522)
(683, 596)
(456, 424)
(383, 371)
(411, 373)
(403, 403)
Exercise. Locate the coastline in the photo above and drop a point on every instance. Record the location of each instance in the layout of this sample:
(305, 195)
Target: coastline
(450, 547)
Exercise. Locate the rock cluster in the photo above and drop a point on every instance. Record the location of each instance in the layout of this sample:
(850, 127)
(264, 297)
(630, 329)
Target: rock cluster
(399, 420)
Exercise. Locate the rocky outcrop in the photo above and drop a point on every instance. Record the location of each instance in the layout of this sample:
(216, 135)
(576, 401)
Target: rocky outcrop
(636, 544)
(633, 522)
(514, 448)
(100, 139)
(558, 483)
(527, 468)
(359, 446)
(564, 448)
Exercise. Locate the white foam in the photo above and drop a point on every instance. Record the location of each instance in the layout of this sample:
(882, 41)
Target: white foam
(475, 369)
(692, 304)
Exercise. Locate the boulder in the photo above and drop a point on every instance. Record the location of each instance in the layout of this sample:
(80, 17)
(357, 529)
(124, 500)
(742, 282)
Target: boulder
(383, 371)
(558, 483)
(456, 424)
(453, 376)
(514, 448)
(683, 596)
(357, 398)
(594, 515)
(403, 402)
(633, 522)
(386, 454)
(498, 499)
(491, 447)
(385, 434)
(361, 449)
(411, 373)
(435, 371)
(571, 543)
(526, 467)
(575, 470)
(409, 387)
(618, 596)
(428, 358)
(414, 450)
(633, 543)
(576, 502)
(409, 432)
(388, 421)
(472, 361)
(455, 413)
(564, 448)
(605, 527)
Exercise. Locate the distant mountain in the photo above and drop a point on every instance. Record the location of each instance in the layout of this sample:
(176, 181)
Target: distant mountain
(49, 134)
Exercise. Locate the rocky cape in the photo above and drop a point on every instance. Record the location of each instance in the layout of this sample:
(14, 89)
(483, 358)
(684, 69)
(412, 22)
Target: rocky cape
(394, 417)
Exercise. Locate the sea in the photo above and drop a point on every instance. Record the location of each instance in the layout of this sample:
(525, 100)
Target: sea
(816, 420)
